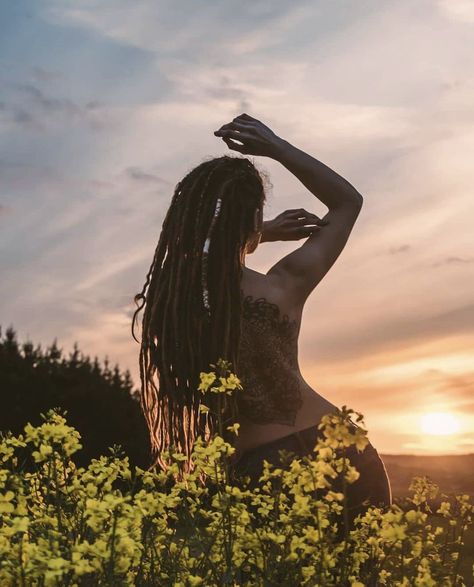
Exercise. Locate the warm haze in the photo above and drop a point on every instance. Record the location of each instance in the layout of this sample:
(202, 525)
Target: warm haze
(106, 105)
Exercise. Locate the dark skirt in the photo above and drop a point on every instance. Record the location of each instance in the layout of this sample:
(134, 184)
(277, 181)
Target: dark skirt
(372, 488)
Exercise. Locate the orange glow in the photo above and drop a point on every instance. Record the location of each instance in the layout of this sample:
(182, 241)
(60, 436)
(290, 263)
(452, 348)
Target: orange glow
(440, 423)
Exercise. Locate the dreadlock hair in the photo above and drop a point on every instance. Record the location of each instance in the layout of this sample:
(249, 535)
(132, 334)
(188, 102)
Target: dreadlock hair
(180, 337)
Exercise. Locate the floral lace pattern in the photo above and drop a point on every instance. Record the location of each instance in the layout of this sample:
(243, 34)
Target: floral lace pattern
(268, 364)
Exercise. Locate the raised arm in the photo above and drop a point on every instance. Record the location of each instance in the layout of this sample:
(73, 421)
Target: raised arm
(298, 273)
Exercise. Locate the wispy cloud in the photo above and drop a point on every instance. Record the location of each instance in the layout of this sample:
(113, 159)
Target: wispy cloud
(453, 260)
(381, 335)
(399, 249)
(141, 175)
(32, 108)
(380, 92)
(44, 75)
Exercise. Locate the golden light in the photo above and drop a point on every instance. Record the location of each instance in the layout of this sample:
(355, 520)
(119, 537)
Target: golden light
(440, 423)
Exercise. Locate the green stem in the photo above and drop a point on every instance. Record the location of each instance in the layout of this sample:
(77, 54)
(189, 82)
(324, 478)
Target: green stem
(22, 568)
(345, 513)
(112, 546)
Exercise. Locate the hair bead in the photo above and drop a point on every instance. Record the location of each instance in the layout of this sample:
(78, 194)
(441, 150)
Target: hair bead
(205, 252)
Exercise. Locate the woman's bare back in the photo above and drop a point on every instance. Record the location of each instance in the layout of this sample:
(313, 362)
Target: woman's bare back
(310, 405)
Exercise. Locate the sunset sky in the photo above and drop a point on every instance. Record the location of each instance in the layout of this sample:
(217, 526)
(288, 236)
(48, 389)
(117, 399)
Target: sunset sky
(105, 105)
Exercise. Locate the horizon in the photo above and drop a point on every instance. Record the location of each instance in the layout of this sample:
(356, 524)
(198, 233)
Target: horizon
(105, 108)
(85, 355)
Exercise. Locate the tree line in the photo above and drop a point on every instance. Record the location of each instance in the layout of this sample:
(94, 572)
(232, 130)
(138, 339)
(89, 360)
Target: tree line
(100, 402)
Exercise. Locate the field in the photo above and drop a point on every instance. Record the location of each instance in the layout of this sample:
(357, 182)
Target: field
(453, 474)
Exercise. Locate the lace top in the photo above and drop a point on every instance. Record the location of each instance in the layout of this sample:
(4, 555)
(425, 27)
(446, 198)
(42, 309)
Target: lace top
(268, 365)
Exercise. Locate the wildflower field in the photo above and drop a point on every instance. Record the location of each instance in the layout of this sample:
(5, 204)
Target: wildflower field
(106, 524)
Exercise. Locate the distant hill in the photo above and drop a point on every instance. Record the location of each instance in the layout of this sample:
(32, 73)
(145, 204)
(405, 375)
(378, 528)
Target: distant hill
(453, 473)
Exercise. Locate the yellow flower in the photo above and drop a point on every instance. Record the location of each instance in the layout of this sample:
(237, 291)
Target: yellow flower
(415, 516)
(6, 507)
(352, 474)
(223, 386)
(393, 532)
(334, 496)
(444, 508)
(361, 442)
(234, 428)
(233, 381)
(417, 548)
(384, 575)
(58, 563)
(298, 530)
(325, 452)
(301, 505)
(206, 380)
(308, 572)
(311, 534)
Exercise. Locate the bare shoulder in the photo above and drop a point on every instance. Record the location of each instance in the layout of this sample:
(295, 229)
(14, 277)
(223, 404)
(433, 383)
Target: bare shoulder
(270, 287)
(299, 272)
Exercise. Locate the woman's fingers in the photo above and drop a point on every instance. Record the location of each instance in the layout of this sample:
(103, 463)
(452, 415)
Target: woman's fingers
(246, 118)
(304, 221)
(244, 122)
(233, 145)
(297, 213)
(237, 126)
(259, 139)
(303, 215)
(302, 225)
(233, 126)
(239, 123)
(233, 134)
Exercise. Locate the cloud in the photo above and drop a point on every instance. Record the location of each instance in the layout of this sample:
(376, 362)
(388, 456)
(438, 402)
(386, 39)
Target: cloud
(399, 249)
(460, 10)
(44, 75)
(461, 388)
(454, 260)
(225, 90)
(38, 98)
(159, 27)
(384, 334)
(32, 108)
(140, 175)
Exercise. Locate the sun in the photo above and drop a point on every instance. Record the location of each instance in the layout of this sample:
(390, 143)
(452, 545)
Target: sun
(440, 423)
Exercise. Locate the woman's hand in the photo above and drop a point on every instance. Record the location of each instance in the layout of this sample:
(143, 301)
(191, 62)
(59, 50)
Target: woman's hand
(255, 138)
(291, 225)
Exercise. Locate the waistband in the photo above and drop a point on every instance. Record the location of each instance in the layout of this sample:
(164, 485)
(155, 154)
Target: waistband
(306, 438)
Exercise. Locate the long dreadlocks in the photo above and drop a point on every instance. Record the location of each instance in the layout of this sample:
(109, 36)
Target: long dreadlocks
(186, 328)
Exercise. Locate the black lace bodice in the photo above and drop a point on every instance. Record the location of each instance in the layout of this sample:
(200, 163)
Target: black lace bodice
(268, 364)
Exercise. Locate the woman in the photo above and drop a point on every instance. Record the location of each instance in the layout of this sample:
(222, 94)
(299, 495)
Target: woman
(203, 303)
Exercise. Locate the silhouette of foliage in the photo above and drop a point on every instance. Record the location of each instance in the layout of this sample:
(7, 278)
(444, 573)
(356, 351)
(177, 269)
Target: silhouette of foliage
(100, 402)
